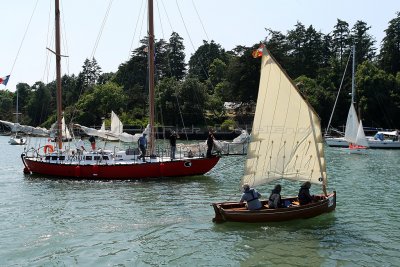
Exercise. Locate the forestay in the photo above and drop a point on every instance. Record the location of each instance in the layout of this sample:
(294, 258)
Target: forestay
(286, 136)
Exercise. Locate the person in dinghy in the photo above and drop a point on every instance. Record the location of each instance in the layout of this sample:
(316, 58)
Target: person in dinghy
(252, 198)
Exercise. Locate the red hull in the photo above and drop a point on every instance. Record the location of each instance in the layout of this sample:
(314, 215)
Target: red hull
(117, 171)
(236, 212)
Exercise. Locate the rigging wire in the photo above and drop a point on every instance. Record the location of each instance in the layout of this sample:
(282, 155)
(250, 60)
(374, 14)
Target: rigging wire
(23, 38)
(134, 33)
(337, 97)
(160, 106)
(201, 22)
(170, 70)
(166, 14)
(198, 59)
(101, 29)
(190, 39)
(65, 41)
(47, 52)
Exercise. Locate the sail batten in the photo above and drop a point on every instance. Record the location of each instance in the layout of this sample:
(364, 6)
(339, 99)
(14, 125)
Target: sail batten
(284, 144)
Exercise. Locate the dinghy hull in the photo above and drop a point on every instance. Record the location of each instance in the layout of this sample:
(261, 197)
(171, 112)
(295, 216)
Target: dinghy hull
(237, 212)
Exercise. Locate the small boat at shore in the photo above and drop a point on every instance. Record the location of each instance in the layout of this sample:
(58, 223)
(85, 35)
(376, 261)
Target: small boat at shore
(286, 144)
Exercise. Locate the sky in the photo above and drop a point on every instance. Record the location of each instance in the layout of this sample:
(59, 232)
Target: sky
(28, 28)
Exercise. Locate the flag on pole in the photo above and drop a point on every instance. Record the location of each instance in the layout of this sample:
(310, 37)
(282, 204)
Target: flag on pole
(258, 52)
(4, 80)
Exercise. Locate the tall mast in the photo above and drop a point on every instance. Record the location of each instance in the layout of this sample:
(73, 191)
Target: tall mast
(151, 76)
(58, 74)
(353, 49)
(16, 109)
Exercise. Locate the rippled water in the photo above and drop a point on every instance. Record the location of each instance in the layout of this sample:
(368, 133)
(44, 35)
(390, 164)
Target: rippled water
(168, 222)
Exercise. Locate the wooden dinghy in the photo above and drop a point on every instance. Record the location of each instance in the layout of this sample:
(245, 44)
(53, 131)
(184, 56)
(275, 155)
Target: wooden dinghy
(286, 144)
(237, 212)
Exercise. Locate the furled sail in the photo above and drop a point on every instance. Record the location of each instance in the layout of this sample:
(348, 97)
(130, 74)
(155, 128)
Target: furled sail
(34, 131)
(286, 135)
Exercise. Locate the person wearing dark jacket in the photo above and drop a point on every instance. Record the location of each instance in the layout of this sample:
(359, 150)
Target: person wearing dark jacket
(275, 200)
(210, 143)
(252, 198)
(304, 194)
(172, 142)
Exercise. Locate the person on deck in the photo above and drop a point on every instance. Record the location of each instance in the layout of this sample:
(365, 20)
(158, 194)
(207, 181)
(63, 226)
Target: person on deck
(142, 142)
(304, 194)
(80, 146)
(172, 142)
(210, 143)
(92, 141)
(251, 196)
(275, 200)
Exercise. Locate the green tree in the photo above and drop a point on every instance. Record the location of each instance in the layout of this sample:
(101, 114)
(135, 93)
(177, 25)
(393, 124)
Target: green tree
(161, 60)
(192, 99)
(200, 61)
(243, 75)
(389, 57)
(90, 72)
(376, 90)
(296, 40)
(217, 71)
(167, 101)
(6, 105)
(341, 40)
(24, 94)
(276, 42)
(40, 105)
(317, 96)
(363, 42)
(176, 57)
(104, 98)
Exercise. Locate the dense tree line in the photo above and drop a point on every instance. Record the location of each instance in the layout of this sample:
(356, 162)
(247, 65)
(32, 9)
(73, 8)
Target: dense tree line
(194, 93)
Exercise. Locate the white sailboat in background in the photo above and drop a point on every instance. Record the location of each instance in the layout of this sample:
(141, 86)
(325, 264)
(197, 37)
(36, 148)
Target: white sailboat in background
(66, 134)
(354, 133)
(17, 139)
(354, 137)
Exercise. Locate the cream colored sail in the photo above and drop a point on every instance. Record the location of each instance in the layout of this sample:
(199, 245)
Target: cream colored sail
(286, 135)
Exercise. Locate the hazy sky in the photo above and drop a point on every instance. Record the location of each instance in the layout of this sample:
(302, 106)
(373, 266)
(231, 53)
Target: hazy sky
(228, 22)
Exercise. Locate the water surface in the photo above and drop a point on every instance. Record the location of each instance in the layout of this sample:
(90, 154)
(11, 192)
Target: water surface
(168, 222)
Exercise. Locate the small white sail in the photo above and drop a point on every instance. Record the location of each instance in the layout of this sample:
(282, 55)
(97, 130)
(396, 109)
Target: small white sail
(351, 125)
(65, 132)
(116, 124)
(286, 135)
(361, 140)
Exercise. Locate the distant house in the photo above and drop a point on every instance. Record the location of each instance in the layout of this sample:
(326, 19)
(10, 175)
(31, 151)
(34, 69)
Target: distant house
(230, 107)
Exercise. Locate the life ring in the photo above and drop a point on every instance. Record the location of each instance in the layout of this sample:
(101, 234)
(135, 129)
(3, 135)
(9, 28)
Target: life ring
(49, 148)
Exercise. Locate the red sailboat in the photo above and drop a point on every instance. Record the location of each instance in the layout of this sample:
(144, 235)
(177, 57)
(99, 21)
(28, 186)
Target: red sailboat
(106, 165)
